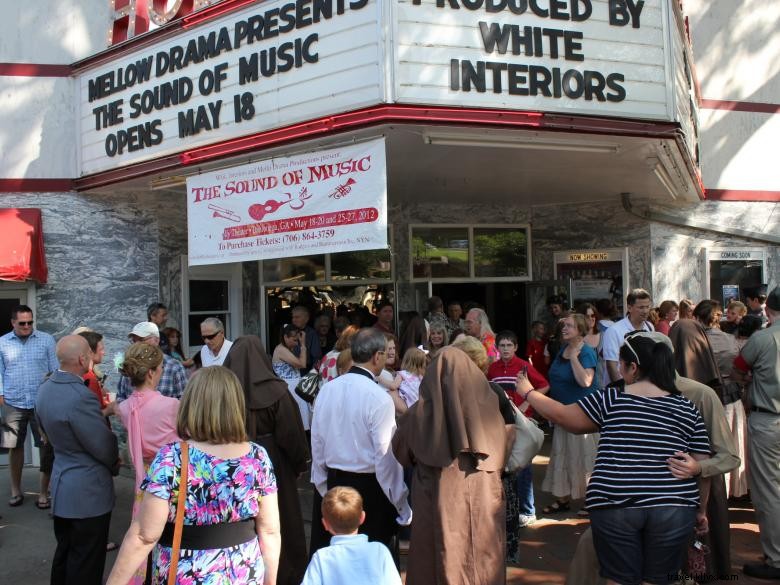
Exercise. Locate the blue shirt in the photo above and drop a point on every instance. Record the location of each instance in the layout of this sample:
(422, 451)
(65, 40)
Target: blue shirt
(23, 365)
(351, 559)
(172, 381)
(563, 385)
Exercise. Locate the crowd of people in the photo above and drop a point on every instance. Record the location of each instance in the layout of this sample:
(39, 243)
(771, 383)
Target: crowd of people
(658, 418)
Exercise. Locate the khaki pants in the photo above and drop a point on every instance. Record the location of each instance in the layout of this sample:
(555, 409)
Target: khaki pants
(764, 480)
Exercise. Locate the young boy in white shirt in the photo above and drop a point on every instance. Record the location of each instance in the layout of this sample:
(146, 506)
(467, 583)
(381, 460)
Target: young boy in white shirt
(350, 558)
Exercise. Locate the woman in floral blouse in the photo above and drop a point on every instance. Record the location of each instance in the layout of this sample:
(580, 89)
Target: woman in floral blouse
(231, 488)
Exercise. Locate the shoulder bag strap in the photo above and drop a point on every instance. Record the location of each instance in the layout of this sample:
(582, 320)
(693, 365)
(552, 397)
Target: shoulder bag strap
(180, 504)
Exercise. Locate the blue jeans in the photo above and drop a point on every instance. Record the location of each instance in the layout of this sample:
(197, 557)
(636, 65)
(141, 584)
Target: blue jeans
(525, 491)
(641, 544)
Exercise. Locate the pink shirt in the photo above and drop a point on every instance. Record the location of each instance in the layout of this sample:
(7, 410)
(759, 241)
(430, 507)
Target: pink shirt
(150, 420)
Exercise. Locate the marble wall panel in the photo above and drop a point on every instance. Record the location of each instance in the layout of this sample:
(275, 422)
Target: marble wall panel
(102, 254)
(679, 253)
(251, 293)
(171, 211)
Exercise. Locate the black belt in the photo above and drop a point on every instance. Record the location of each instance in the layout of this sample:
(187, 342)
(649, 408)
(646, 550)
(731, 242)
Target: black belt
(342, 473)
(764, 410)
(210, 536)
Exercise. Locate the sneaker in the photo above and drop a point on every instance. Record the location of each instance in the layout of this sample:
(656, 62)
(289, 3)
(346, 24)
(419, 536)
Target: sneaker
(527, 520)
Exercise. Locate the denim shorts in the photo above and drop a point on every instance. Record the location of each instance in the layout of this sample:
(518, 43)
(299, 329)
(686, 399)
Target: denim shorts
(641, 544)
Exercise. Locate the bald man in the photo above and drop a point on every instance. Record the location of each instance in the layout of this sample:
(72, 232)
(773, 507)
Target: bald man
(86, 458)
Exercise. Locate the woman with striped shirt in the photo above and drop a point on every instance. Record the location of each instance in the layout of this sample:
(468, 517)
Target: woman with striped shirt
(641, 515)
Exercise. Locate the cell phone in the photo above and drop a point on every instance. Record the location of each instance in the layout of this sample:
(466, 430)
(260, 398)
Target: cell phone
(524, 371)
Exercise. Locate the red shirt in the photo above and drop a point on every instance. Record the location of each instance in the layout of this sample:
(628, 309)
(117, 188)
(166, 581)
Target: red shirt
(534, 350)
(505, 375)
(91, 381)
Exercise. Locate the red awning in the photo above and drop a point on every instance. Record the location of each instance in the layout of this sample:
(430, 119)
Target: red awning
(22, 255)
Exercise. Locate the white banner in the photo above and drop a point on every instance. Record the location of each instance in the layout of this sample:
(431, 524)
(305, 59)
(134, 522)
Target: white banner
(314, 203)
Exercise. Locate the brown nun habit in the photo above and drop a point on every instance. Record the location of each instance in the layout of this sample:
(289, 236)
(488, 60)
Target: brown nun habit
(456, 439)
(693, 356)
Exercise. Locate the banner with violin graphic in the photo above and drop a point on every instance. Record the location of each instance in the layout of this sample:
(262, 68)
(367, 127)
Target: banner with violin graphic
(313, 203)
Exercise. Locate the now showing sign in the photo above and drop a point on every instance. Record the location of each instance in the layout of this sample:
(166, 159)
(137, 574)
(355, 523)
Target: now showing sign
(315, 203)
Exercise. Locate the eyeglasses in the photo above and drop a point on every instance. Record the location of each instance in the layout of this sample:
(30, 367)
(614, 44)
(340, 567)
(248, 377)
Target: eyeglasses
(210, 337)
(25, 323)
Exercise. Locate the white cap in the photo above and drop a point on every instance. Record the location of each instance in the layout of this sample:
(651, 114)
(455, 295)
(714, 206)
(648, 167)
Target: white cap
(145, 329)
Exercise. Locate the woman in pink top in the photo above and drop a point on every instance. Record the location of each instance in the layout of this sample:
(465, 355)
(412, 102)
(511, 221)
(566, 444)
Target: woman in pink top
(148, 416)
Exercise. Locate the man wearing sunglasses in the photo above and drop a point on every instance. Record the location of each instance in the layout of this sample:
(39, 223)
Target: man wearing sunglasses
(26, 356)
(173, 379)
(216, 346)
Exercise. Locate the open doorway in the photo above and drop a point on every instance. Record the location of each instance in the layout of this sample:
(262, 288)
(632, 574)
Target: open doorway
(504, 302)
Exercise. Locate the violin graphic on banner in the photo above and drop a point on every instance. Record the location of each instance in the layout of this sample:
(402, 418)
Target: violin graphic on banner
(259, 210)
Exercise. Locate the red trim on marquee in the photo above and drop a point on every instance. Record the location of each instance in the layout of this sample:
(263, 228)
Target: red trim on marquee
(741, 195)
(740, 106)
(34, 70)
(386, 114)
(383, 114)
(35, 185)
(111, 177)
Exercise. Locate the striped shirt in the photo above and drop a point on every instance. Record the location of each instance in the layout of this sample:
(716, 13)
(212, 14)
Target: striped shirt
(23, 365)
(638, 435)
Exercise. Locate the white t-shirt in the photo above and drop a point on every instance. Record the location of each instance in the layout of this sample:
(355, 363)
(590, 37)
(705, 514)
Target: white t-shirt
(209, 359)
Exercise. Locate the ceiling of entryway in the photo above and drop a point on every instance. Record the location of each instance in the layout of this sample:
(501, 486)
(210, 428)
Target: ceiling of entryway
(526, 167)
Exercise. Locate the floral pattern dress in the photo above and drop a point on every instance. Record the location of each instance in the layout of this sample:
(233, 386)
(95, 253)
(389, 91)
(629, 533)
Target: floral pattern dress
(219, 490)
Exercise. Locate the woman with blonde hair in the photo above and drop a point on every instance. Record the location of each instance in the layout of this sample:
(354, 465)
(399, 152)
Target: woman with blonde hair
(148, 416)
(231, 515)
(273, 421)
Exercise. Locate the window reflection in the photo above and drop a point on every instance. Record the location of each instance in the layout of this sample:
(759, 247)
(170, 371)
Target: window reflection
(440, 252)
(500, 252)
(361, 265)
(299, 269)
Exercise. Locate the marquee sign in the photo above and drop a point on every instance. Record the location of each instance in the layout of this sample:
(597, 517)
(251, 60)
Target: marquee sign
(271, 64)
(597, 57)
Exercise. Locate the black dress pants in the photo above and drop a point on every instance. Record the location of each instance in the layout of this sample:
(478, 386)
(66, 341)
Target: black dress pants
(380, 524)
(81, 550)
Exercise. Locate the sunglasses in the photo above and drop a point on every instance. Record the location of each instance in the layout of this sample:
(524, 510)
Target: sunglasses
(210, 337)
(25, 323)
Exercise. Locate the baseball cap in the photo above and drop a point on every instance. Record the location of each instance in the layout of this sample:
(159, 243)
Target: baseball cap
(773, 300)
(145, 329)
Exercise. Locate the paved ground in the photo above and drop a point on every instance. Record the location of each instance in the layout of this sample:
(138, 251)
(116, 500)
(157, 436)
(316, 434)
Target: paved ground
(27, 541)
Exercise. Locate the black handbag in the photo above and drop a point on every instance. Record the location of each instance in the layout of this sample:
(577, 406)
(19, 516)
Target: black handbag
(309, 386)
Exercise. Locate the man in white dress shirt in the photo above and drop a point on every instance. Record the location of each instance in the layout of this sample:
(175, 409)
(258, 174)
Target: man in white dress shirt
(216, 347)
(353, 424)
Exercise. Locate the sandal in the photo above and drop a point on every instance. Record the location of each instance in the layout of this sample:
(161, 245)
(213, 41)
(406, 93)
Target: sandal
(15, 501)
(44, 504)
(556, 507)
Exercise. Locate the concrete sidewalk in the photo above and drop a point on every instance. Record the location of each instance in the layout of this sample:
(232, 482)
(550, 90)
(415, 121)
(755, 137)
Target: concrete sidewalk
(27, 540)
